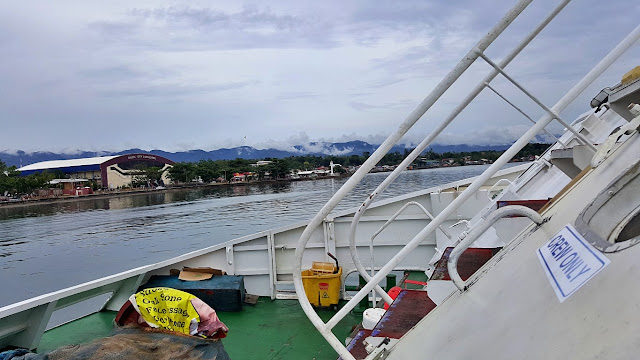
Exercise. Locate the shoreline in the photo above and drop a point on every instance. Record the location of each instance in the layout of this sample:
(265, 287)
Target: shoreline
(134, 192)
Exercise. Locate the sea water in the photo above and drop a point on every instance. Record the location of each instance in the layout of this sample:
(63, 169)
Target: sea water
(48, 247)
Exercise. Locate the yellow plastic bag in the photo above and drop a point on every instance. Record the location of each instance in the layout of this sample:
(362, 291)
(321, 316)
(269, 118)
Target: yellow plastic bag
(167, 308)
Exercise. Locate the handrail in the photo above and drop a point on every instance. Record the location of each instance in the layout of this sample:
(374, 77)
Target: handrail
(436, 93)
(385, 225)
(429, 139)
(478, 230)
(496, 184)
(325, 328)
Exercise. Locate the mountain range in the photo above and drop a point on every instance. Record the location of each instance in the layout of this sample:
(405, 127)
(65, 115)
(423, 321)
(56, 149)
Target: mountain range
(356, 147)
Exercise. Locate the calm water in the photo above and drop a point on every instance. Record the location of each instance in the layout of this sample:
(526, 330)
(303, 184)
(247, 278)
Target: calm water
(48, 247)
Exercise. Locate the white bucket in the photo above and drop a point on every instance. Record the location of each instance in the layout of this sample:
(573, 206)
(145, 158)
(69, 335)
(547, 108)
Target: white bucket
(371, 316)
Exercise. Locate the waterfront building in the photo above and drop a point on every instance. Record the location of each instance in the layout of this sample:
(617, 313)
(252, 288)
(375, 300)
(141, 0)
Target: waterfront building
(109, 171)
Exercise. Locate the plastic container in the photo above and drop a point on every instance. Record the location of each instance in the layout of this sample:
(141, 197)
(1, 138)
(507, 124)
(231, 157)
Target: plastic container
(632, 75)
(371, 316)
(221, 292)
(318, 267)
(322, 289)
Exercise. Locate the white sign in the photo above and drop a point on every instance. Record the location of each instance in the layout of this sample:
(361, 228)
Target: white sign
(570, 261)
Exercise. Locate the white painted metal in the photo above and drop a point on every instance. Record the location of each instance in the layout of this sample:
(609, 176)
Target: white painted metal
(262, 258)
(562, 103)
(496, 184)
(478, 230)
(606, 148)
(437, 92)
(387, 298)
(506, 156)
(511, 305)
(272, 266)
(427, 141)
(266, 257)
(122, 292)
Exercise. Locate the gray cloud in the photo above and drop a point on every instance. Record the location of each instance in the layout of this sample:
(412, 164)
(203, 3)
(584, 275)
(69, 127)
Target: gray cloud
(297, 95)
(189, 28)
(361, 106)
(332, 70)
(120, 72)
(175, 90)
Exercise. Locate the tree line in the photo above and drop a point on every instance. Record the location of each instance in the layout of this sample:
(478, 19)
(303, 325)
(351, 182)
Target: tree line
(492, 155)
(11, 182)
(211, 170)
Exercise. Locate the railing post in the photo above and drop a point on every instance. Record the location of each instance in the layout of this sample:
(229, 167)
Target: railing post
(37, 320)
(435, 132)
(325, 329)
(272, 264)
(437, 92)
(122, 293)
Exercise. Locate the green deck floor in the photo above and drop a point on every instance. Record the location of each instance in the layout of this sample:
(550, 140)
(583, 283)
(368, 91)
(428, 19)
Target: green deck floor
(269, 330)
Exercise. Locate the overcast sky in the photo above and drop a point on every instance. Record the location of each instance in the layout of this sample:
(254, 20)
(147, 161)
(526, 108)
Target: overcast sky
(111, 75)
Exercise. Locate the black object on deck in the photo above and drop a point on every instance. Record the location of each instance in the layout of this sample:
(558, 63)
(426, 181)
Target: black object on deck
(139, 344)
(221, 292)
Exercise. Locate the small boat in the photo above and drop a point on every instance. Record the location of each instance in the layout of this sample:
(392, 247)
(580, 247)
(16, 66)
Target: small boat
(532, 261)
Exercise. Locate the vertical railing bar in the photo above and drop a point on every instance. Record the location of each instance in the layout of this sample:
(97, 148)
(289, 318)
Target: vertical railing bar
(270, 255)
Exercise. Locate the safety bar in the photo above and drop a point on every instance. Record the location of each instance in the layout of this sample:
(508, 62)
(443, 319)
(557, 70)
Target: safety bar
(496, 184)
(325, 329)
(384, 226)
(436, 93)
(429, 139)
(478, 230)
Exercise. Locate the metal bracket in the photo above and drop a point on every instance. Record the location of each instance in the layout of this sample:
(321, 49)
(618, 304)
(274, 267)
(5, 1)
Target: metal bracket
(605, 149)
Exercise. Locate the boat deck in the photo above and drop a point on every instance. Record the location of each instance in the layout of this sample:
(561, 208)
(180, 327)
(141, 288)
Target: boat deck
(269, 330)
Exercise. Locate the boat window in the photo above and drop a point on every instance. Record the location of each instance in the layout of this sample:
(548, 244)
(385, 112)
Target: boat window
(630, 229)
(611, 222)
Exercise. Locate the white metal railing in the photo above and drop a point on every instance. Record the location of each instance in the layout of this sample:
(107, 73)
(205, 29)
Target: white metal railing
(429, 139)
(551, 114)
(496, 185)
(22, 324)
(384, 226)
(468, 238)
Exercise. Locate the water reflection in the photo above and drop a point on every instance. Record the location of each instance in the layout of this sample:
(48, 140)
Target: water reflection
(46, 247)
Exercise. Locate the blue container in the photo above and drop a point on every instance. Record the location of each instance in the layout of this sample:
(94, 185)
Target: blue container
(221, 292)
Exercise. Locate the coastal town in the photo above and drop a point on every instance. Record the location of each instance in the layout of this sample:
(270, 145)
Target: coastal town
(136, 173)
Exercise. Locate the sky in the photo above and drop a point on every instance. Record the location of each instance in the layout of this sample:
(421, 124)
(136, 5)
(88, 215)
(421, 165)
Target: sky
(175, 76)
